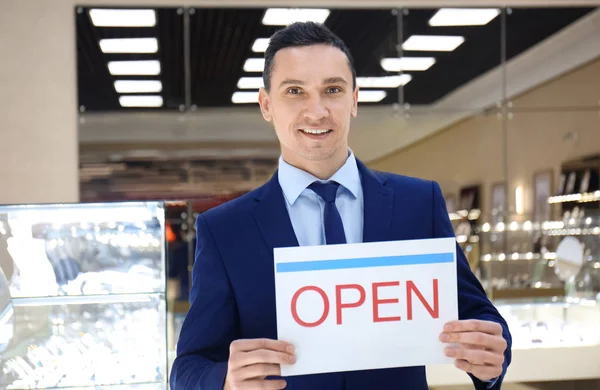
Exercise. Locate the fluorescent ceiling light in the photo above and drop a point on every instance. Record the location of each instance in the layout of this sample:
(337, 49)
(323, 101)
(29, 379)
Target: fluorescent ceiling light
(432, 43)
(254, 65)
(371, 96)
(138, 86)
(141, 101)
(260, 45)
(463, 16)
(287, 16)
(407, 63)
(129, 45)
(383, 82)
(250, 83)
(144, 68)
(123, 17)
(244, 97)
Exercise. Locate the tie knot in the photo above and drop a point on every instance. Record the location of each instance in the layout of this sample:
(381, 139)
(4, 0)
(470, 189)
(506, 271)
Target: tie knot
(327, 191)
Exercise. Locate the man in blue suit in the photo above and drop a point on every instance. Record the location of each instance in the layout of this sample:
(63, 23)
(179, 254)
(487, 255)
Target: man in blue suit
(321, 194)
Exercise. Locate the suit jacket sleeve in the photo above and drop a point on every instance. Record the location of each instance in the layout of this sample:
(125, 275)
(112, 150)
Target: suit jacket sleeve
(472, 300)
(211, 323)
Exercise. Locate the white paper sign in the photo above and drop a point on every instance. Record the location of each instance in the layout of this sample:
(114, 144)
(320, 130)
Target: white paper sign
(365, 306)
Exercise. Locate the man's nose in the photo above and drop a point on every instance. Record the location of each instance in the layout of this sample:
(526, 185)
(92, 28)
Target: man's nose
(316, 109)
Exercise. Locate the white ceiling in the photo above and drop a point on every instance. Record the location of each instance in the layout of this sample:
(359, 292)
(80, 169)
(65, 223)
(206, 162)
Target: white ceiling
(377, 131)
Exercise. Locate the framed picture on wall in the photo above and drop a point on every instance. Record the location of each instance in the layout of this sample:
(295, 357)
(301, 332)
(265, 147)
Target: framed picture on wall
(469, 198)
(498, 202)
(542, 188)
(451, 203)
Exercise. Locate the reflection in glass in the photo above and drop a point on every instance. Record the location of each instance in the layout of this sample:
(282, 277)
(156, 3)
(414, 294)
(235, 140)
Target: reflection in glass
(6, 314)
(466, 53)
(86, 249)
(87, 344)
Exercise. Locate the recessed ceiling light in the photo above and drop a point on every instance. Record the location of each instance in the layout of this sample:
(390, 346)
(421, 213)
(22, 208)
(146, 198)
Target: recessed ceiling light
(407, 63)
(383, 82)
(371, 96)
(244, 97)
(123, 17)
(432, 43)
(141, 101)
(463, 16)
(260, 45)
(138, 86)
(287, 16)
(254, 65)
(129, 45)
(250, 83)
(144, 68)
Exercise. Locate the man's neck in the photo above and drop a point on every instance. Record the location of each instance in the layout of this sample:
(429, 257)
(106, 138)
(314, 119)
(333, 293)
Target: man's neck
(324, 169)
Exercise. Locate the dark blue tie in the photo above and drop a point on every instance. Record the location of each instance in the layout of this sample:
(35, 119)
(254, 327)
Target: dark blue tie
(334, 228)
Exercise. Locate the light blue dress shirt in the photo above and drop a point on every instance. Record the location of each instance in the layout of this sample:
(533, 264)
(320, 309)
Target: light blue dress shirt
(306, 208)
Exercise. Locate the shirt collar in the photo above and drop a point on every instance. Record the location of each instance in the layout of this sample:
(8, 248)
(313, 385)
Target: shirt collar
(294, 180)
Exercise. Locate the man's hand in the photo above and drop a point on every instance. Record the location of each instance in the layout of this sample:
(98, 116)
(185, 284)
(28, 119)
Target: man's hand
(480, 347)
(251, 361)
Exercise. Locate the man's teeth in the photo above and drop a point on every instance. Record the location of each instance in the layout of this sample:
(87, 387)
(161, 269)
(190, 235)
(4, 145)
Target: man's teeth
(315, 131)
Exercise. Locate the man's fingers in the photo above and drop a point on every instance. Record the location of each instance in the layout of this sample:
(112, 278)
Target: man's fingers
(262, 356)
(258, 371)
(484, 373)
(475, 356)
(254, 344)
(261, 384)
(479, 339)
(488, 327)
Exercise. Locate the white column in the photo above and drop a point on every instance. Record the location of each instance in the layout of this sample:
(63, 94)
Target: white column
(38, 102)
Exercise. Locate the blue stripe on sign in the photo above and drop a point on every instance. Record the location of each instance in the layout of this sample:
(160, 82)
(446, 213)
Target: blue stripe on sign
(321, 265)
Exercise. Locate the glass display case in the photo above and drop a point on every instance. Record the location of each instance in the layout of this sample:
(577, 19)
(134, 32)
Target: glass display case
(521, 258)
(551, 322)
(83, 296)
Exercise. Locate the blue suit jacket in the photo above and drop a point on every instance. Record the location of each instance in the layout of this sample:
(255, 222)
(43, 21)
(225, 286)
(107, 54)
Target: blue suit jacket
(233, 288)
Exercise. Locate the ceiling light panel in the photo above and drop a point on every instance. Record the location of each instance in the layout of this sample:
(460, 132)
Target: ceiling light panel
(123, 17)
(141, 101)
(432, 43)
(129, 68)
(244, 97)
(254, 65)
(371, 96)
(138, 86)
(129, 45)
(463, 16)
(287, 16)
(383, 82)
(250, 83)
(407, 64)
(260, 45)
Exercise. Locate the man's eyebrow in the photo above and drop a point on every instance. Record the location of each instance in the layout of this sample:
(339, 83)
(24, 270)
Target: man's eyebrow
(291, 82)
(335, 80)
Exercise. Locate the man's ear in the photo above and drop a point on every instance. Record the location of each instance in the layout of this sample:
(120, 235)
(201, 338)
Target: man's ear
(265, 104)
(354, 111)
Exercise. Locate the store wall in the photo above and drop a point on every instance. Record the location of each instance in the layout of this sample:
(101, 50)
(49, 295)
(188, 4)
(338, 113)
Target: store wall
(38, 105)
(546, 126)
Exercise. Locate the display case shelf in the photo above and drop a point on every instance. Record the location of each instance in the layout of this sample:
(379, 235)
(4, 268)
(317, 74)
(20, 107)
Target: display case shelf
(86, 299)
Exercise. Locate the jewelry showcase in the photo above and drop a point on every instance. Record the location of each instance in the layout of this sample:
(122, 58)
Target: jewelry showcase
(83, 296)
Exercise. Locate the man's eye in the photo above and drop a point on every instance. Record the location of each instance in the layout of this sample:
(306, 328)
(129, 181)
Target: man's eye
(293, 91)
(334, 90)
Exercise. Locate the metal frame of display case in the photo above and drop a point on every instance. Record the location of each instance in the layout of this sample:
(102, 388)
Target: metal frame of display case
(88, 293)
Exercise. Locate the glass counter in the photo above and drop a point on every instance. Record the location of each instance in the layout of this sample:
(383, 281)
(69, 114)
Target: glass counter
(83, 296)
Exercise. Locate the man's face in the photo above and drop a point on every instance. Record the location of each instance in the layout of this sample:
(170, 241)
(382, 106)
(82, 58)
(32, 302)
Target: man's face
(310, 103)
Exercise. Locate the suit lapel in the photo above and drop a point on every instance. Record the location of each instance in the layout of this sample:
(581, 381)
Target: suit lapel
(378, 205)
(272, 216)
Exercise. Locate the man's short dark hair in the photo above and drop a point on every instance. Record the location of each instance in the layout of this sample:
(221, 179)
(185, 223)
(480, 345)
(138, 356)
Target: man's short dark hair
(303, 34)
